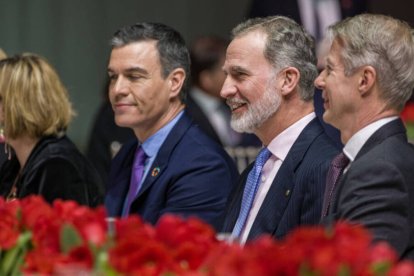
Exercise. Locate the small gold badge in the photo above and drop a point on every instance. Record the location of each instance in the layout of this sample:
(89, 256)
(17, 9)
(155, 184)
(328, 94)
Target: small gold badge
(155, 171)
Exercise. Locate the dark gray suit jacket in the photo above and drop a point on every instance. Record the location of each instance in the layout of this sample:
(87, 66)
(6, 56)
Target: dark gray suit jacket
(377, 191)
(296, 194)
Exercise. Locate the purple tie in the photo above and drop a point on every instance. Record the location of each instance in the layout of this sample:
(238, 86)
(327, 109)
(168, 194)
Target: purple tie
(336, 168)
(136, 177)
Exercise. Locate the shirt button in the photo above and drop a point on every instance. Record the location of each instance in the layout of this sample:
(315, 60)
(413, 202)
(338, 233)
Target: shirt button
(287, 193)
(263, 178)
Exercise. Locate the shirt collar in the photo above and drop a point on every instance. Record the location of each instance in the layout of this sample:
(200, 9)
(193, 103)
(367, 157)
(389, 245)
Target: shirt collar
(281, 144)
(357, 141)
(152, 145)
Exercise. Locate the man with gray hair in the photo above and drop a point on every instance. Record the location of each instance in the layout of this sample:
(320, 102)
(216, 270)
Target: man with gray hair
(171, 166)
(270, 67)
(368, 78)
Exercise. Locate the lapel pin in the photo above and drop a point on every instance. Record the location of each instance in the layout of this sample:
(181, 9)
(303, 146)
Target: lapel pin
(287, 193)
(155, 171)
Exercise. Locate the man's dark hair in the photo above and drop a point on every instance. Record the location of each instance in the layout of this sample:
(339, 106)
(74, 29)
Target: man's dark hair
(171, 47)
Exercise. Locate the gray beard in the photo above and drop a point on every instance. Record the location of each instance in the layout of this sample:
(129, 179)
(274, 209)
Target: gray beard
(257, 113)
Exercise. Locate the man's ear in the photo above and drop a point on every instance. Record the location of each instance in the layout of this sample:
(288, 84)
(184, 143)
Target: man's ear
(176, 81)
(366, 79)
(289, 79)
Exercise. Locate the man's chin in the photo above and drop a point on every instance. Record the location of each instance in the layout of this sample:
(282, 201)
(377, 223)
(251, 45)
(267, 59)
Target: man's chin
(241, 127)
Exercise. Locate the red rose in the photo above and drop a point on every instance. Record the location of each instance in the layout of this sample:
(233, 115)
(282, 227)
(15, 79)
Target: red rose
(9, 224)
(39, 261)
(382, 252)
(81, 256)
(404, 268)
(34, 208)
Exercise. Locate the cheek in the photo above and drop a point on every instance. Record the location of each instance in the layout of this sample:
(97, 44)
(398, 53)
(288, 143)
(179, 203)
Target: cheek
(254, 90)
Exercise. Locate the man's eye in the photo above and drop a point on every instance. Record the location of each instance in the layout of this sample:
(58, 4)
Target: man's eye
(239, 75)
(134, 77)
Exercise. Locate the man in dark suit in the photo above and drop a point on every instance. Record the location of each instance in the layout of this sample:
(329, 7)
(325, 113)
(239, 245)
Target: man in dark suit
(270, 66)
(365, 85)
(172, 166)
(315, 16)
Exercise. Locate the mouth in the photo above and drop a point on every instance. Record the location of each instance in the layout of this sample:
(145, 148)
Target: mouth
(121, 106)
(236, 105)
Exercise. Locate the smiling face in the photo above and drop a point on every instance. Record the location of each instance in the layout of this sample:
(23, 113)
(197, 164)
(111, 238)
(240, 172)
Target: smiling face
(139, 94)
(250, 86)
(339, 92)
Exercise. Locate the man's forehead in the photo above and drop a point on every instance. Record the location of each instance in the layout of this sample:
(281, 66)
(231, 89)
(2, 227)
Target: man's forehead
(133, 54)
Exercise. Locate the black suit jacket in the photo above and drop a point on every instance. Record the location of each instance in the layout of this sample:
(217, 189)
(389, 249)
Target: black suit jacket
(296, 194)
(377, 191)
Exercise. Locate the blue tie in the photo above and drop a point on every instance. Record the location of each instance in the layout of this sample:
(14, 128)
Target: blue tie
(252, 185)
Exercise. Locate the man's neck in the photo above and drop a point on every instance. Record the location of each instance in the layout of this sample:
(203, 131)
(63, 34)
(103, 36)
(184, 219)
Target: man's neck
(281, 120)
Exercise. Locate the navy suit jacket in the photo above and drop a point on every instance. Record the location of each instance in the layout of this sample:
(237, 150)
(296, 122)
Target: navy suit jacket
(190, 176)
(377, 191)
(296, 194)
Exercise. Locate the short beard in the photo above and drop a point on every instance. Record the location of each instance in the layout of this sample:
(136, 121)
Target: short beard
(257, 113)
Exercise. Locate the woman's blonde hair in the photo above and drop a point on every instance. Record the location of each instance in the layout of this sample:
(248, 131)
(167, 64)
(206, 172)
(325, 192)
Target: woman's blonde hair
(35, 102)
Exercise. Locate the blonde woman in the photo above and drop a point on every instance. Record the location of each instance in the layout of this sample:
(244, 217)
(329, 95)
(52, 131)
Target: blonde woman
(35, 112)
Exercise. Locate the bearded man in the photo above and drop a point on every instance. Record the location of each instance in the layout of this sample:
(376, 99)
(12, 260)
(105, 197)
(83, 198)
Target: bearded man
(270, 67)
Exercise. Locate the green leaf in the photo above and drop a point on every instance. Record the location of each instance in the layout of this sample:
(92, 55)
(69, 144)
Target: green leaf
(13, 259)
(69, 238)
(344, 270)
(102, 266)
(381, 268)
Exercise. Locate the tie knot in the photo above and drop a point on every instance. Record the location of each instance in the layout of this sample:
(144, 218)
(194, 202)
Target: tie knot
(340, 161)
(140, 157)
(262, 157)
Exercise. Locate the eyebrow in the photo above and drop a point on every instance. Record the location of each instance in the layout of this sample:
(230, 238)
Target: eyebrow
(238, 69)
(132, 70)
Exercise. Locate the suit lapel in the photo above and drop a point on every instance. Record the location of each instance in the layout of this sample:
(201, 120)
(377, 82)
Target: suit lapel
(121, 172)
(395, 127)
(277, 199)
(161, 161)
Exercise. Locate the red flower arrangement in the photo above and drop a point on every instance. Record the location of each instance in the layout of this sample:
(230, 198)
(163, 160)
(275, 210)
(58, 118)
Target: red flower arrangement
(66, 239)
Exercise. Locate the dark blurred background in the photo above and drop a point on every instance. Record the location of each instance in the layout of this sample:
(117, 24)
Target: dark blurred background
(73, 36)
